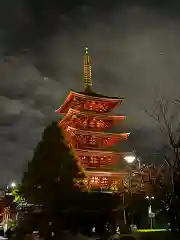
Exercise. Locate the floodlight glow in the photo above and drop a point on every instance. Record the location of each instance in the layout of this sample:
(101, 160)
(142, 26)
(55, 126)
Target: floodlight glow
(151, 230)
(13, 184)
(129, 159)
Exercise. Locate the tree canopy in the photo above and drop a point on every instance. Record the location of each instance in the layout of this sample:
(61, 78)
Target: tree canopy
(53, 170)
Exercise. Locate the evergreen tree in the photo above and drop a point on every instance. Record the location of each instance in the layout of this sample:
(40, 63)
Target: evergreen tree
(53, 173)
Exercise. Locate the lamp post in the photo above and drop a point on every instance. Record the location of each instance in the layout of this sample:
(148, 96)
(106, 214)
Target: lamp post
(130, 159)
(150, 213)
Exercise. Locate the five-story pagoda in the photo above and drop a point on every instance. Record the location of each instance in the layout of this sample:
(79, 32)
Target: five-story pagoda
(86, 117)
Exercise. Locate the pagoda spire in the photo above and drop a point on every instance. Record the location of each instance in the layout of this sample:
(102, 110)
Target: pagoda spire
(87, 71)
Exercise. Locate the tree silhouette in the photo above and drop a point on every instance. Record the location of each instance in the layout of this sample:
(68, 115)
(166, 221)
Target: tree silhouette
(53, 171)
(53, 179)
(166, 113)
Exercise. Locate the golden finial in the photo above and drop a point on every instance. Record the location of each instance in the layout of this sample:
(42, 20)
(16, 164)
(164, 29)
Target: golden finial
(87, 70)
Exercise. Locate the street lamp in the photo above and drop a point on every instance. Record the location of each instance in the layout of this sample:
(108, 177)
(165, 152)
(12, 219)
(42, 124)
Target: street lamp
(131, 158)
(13, 185)
(150, 213)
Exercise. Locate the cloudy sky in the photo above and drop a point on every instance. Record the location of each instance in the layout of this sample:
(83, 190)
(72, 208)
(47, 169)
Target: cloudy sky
(135, 50)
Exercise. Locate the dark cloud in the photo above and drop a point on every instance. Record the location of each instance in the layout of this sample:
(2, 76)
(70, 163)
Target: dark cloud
(135, 53)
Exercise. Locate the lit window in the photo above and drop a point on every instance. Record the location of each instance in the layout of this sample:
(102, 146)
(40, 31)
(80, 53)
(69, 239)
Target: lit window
(107, 160)
(100, 124)
(93, 140)
(83, 158)
(94, 180)
(94, 160)
(104, 181)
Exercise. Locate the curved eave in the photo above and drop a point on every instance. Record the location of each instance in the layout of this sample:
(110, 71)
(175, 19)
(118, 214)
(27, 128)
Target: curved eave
(100, 153)
(105, 173)
(75, 112)
(96, 115)
(67, 101)
(84, 96)
(83, 132)
(103, 98)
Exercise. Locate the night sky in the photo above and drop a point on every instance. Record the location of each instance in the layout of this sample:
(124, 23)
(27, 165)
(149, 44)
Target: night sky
(135, 51)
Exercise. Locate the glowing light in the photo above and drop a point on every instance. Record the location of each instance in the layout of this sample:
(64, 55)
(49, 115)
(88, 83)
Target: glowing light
(151, 230)
(94, 180)
(130, 159)
(13, 185)
(148, 197)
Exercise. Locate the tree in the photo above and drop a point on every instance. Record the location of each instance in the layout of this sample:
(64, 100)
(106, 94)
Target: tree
(53, 171)
(167, 115)
(55, 180)
(17, 195)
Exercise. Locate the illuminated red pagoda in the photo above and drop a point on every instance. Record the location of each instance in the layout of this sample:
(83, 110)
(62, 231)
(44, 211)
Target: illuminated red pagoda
(86, 116)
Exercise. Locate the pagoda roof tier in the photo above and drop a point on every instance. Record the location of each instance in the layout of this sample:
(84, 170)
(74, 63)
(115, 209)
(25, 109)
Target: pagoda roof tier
(89, 120)
(90, 139)
(89, 101)
(75, 112)
(98, 159)
(99, 134)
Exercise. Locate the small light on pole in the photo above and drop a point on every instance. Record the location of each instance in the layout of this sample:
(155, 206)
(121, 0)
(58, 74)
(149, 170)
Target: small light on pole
(150, 198)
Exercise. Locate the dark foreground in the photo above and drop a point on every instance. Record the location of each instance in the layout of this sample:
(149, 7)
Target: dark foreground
(151, 236)
(132, 236)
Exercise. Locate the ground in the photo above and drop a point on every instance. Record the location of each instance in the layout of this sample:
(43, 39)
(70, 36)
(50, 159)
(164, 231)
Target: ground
(151, 236)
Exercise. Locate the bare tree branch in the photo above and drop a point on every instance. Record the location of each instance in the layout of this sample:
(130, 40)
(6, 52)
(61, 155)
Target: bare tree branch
(167, 115)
